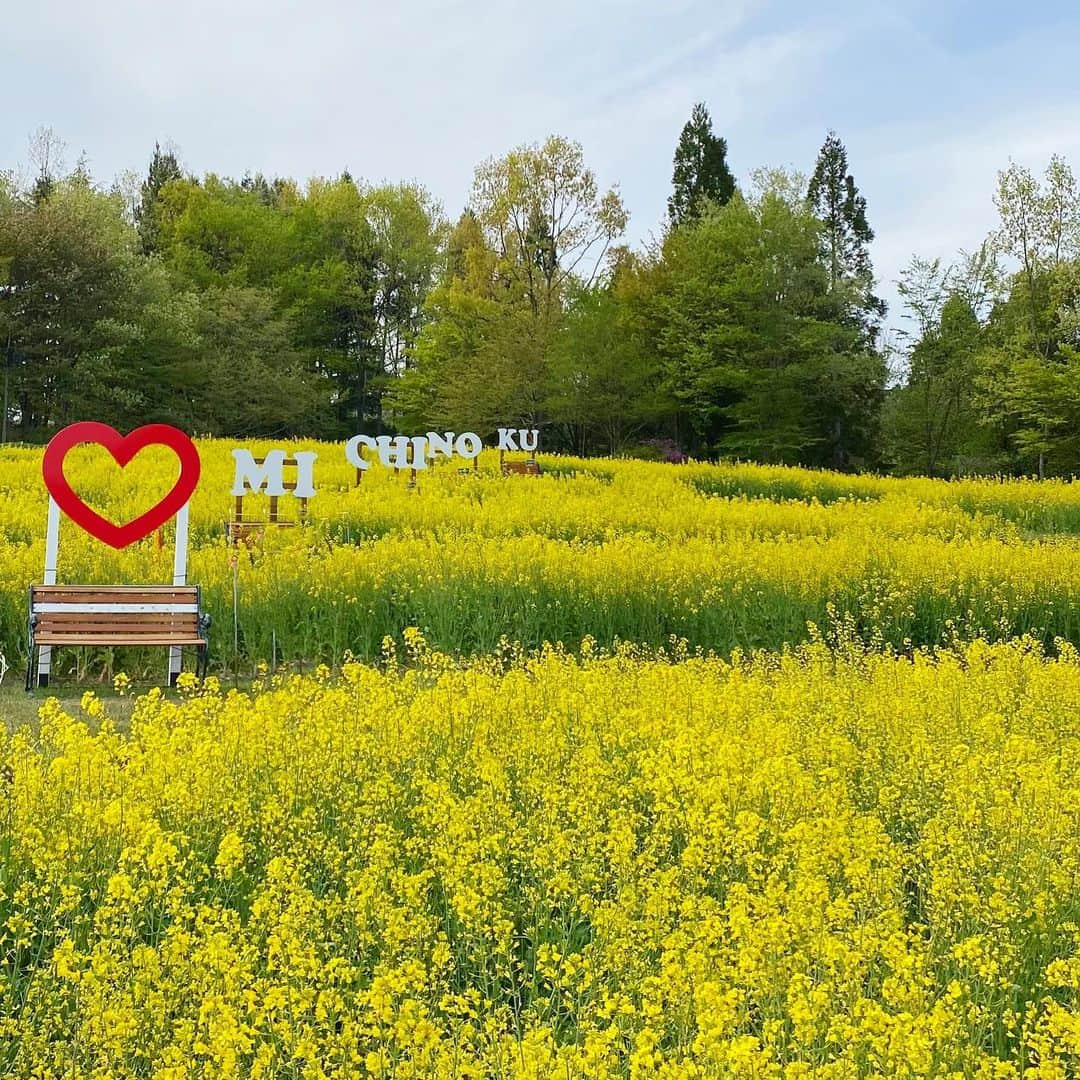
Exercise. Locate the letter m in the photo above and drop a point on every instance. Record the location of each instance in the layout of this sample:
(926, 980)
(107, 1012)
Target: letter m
(250, 476)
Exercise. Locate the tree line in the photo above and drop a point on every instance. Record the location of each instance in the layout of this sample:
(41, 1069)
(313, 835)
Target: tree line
(750, 327)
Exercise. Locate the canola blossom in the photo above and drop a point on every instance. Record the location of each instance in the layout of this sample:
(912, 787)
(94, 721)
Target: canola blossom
(725, 556)
(821, 863)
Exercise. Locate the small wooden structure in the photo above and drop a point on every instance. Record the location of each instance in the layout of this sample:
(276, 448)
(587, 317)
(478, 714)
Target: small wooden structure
(529, 467)
(125, 615)
(238, 528)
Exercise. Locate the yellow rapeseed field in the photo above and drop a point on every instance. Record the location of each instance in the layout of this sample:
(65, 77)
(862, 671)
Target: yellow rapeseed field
(827, 864)
(631, 770)
(724, 556)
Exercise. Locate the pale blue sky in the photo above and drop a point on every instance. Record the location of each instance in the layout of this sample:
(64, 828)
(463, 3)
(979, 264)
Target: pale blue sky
(931, 98)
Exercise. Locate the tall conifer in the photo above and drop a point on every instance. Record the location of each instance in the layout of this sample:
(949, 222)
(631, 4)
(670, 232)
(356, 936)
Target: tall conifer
(163, 168)
(833, 196)
(701, 169)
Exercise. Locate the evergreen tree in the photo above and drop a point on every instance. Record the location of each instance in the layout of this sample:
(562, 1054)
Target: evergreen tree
(833, 197)
(258, 186)
(163, 168)
(701, 170)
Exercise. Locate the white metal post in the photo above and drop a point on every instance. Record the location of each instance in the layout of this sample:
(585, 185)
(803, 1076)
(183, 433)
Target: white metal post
(179, 578)
(52, 547)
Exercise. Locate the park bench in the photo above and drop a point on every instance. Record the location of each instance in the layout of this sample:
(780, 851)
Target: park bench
(521, 468)
(117, 615)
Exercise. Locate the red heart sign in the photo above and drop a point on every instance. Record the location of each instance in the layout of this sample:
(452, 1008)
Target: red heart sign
(123, 448)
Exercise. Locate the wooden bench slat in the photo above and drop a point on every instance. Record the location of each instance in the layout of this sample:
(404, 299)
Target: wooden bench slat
(172, 611)
(99, 638)
(83, 629)
(142, 635)
(103, 627)
(142, 618)
(74, 618)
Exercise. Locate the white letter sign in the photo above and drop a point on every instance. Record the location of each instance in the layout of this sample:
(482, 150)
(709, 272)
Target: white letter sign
(468, 445)
(252, 477)
(352, 450)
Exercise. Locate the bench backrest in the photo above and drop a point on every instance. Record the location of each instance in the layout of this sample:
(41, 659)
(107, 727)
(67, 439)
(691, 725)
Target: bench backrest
(83, 612)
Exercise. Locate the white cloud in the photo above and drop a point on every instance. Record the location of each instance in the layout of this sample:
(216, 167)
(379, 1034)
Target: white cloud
(930, 102)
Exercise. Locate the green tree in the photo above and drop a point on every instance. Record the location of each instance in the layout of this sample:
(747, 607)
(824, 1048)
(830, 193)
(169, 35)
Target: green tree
(1032, 334)
(700, 170)
(606, 381)
(47, 152)
(538, 230)
(313, 252)
(846, 236)
(543, 214)
(147, 364)
(931, 418)
(408, 231)
(1039, 229)
(329, 289)
(1027, 393)
(69, 261)
(752, 348)
(164, 168)
(256, 380)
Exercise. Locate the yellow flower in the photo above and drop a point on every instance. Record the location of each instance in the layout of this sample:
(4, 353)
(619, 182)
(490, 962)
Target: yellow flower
(230, 855)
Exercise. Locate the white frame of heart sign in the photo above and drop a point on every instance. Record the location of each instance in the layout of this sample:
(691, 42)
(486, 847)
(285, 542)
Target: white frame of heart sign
(52, 540)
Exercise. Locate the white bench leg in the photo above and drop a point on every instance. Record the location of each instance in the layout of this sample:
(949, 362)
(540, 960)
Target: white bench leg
(174, 664)
(44, 664)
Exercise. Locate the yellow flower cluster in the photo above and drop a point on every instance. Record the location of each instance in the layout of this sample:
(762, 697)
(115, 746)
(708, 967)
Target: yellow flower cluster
(824, 863)
(726, 556)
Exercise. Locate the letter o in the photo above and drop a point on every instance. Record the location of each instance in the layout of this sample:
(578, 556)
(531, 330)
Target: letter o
(468, 445)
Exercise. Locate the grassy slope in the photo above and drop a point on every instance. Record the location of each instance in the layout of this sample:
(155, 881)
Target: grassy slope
(18, 708)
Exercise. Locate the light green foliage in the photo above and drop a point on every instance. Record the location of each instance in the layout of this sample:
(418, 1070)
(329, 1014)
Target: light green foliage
(931, 421)
(606, 381)
(990, 382)
(537, 230)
